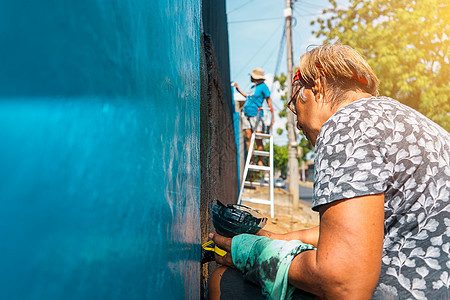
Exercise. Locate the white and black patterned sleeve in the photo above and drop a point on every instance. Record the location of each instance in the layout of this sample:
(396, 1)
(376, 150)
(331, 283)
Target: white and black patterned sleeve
(350, 156)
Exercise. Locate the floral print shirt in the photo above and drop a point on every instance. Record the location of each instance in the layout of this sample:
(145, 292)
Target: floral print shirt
(379, 145)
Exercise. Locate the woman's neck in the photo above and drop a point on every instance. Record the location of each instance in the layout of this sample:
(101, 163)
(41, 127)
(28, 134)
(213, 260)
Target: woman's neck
(351, 97)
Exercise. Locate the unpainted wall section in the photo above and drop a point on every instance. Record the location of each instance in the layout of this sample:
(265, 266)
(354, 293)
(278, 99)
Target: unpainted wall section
(99, 148)
(218, 148)
(214, 19)
(219, 173)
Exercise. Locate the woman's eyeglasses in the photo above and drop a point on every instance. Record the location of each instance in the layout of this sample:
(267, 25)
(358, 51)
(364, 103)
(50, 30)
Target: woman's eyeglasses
(298, 92)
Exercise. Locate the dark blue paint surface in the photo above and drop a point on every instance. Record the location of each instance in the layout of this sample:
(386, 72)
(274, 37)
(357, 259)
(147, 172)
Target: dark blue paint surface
(99, 149)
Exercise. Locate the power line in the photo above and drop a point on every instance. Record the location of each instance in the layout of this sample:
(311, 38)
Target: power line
(280, 53)
(311, 5)
(263, 65)
(308, 14)
(277, 66)
(279, 57)
(298, 11)
(254, 20)
(278, 62)
(257, 52)
(229, 12)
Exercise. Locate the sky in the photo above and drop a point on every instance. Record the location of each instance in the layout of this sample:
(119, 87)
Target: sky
(255, 29)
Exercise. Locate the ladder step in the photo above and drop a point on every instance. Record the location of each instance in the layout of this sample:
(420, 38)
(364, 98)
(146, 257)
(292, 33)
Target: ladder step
(261, 153)
(262, 135)
(249, 167)
(256, 200)
(249, 183)
(258, 168)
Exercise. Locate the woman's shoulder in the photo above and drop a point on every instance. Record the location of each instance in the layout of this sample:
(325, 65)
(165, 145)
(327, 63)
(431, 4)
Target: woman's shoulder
(380, 103)
(366, 115)
(376, 109)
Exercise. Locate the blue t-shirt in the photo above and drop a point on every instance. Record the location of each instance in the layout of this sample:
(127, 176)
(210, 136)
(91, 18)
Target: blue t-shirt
(255, 100)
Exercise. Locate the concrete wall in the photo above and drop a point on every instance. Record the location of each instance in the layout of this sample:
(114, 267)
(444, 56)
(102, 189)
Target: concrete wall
(99, 149)
(219, 173)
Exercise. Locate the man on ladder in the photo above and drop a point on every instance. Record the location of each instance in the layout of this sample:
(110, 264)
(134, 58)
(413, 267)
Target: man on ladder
(252, 116)
(252, 121)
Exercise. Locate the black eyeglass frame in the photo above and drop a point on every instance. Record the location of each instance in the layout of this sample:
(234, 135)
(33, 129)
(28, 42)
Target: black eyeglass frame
(300, 91)
(294, 98)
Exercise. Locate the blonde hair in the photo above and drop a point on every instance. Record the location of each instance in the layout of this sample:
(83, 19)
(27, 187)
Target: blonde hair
(339, 69)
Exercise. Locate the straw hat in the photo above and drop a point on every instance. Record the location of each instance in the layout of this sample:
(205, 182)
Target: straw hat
(258, 73)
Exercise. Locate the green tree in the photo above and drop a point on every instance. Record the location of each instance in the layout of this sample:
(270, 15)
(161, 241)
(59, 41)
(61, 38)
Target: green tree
(281, 154)
(406, 43)
(280, 157)
(306, 147)
(282, 81)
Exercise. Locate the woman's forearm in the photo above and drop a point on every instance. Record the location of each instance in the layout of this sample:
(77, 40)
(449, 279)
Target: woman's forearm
(328, 278)
(308, 236)
(347, 262)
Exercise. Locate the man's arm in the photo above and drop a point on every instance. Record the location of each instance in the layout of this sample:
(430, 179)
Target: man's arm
(269, 103)
(239, 90)
(347, 262)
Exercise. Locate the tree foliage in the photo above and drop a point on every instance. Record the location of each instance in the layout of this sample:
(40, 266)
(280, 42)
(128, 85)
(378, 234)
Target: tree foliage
(306, 147)
(406, 42)
(280, 157)
(282, 81)
(281, 154)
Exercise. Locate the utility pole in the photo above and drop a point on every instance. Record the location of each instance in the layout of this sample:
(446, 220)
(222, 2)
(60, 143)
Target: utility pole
(293, 162)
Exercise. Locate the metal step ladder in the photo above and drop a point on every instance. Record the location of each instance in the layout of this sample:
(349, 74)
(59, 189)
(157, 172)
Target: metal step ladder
(249, 167)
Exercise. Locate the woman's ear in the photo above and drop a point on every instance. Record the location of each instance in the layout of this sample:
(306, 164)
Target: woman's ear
(319, 98)
(318, 91)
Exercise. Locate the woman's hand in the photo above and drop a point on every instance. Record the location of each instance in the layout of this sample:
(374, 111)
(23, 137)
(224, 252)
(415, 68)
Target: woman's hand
(265, 233)
(308, 236)
(225, 244)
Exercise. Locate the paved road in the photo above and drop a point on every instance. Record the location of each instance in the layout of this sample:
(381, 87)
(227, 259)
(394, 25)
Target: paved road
(305, 193)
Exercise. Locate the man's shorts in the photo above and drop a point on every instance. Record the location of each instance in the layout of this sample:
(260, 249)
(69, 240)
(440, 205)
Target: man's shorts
(233, 286)
(252, 123)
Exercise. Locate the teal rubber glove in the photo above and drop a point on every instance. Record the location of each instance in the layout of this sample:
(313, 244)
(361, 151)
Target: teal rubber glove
(266, 262)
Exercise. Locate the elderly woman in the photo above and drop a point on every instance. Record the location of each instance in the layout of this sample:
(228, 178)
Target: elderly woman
(381, 186)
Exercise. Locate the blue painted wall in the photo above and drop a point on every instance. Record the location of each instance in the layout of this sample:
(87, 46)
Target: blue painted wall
(99, 149)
